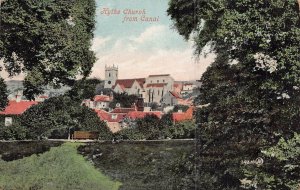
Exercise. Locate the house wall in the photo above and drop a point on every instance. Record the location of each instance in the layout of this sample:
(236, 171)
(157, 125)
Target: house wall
(101, 105)
(158, 92)
(118, 89)
(135, 89)
(169, 100)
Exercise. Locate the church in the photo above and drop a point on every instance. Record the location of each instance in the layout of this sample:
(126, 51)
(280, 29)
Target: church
(151, 89)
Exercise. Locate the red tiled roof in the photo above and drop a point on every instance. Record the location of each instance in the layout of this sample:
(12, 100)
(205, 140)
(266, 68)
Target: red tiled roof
(109, 117)
(161, 75)
(175, 95)
(140, 114)
(17, 108)
(158, 85)
(188, 115)
(177, 85)
(123, 110)
(127, 83)
(102, 98)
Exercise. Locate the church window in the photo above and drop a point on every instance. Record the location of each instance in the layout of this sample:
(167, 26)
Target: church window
(109, 74)
(157, 81)
(109, 82)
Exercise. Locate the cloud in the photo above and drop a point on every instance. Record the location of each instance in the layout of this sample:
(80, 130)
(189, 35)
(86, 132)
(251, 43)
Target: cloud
(151, 34)
(99, 43)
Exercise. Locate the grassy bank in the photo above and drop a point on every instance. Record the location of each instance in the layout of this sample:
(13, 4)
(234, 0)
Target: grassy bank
(59, 168)
(145, 165)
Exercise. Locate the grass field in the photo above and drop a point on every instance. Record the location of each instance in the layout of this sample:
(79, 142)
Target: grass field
(59, 168)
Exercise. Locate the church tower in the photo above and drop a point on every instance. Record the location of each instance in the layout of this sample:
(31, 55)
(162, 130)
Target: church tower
(111, 75)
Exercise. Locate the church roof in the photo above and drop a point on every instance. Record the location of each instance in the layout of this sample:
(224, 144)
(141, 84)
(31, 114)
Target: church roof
(127, 83)
(175, 95)
(161, 75)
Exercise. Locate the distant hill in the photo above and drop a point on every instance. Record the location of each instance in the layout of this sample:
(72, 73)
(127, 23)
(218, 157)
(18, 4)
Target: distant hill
(13, 86)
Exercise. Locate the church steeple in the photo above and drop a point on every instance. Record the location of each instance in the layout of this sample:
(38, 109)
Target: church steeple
(111, 75)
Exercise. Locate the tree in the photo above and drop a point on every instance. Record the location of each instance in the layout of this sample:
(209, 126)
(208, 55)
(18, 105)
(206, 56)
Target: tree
(47, 40)
(149, 127)
(280, 169)
(57, 116)
(123, 99)
(83, 89)
(3, 94)
(252, 89)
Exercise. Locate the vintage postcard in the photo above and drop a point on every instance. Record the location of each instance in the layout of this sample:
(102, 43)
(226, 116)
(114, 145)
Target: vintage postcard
(149, 94)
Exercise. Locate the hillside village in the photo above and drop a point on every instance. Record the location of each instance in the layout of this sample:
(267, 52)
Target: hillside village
(156, 95)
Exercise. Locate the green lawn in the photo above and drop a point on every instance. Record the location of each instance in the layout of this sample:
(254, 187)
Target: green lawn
(59, 168)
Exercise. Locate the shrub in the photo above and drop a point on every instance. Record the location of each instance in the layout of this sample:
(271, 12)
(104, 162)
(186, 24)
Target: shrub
(55, 117)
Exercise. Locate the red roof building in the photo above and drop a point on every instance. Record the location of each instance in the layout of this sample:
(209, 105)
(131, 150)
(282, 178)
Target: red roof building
(17, 108)
(113, 120)
(183, 116)
(123, 110)
(102, 98)
(139, 114)
(110, 117)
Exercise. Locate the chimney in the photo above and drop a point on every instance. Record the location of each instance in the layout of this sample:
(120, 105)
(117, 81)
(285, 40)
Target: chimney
(18, 96)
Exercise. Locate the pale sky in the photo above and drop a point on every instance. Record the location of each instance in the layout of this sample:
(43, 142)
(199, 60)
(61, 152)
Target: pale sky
(141, 48)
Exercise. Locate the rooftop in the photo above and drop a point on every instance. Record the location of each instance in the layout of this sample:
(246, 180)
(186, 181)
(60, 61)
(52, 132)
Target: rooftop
(127, 83)
(17, 108)
(160, 75)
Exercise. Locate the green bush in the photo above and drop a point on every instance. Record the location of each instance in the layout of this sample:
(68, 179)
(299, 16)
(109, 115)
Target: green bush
(55, 117)
(129, 134)
(181, 130)
(14, 132)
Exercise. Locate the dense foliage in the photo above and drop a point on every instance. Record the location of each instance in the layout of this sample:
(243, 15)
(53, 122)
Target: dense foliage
(252, 89)
(3, 94)
(48, 40)
(17, 150)
(13, 132)
(83, 89)
(125, 100)
(152, 128)
(145, 165)
(280, 169)
(57, 116)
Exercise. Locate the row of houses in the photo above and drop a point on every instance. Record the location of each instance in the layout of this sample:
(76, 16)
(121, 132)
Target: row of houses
(161, 89)
(115, 118)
